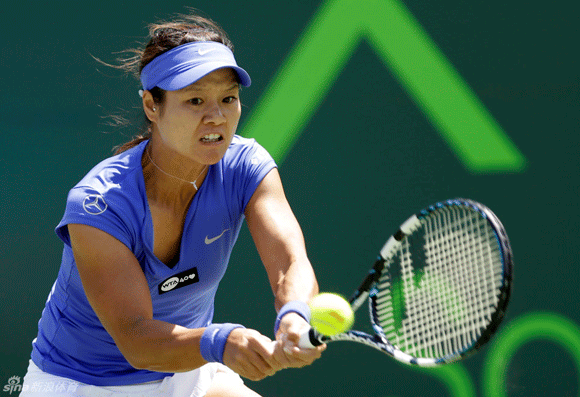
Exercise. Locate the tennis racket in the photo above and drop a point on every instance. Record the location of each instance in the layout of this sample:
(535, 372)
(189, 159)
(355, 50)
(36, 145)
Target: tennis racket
(439, 288)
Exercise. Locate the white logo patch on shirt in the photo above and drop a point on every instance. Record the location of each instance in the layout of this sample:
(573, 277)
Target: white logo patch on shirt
(179, 280)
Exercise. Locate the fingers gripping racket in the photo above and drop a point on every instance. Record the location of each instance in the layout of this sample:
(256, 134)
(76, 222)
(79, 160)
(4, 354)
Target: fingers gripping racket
(439, 288)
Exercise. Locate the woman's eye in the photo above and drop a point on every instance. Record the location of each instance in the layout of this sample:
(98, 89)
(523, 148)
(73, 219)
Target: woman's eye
(195, 101)
(230, 99)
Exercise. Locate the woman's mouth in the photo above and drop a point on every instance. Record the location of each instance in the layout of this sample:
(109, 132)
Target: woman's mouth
(211, 138)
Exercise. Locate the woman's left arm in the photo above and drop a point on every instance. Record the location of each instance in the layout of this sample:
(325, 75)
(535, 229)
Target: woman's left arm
(280, 243)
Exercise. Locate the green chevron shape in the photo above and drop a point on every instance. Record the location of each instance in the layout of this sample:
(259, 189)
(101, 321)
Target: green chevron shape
(327, 44)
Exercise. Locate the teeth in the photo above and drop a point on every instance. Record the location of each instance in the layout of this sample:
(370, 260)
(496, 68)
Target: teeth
(211, 137)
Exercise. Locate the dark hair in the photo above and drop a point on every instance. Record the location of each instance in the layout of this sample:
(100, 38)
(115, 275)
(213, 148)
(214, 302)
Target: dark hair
(163, 37)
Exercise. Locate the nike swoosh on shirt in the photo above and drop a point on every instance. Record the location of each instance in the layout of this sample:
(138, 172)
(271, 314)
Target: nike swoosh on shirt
(208, 240)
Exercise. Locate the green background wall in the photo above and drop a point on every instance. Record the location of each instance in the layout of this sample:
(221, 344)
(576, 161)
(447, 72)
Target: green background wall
(365, 157)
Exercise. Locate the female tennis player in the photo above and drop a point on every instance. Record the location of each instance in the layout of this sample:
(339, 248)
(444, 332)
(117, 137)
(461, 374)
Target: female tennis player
(148, 234)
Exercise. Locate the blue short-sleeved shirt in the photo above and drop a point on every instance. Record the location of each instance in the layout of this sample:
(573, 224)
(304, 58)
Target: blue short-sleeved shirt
(71, 341)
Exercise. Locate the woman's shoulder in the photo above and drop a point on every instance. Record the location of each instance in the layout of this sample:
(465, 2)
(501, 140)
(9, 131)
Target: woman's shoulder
(115, 182)
(118, 172)
(245, 150)
(240, 143)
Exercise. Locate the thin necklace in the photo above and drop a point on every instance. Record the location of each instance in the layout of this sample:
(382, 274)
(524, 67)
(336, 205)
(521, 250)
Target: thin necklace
(194, 183)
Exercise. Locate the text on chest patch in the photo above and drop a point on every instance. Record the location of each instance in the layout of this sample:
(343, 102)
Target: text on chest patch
(179, 280)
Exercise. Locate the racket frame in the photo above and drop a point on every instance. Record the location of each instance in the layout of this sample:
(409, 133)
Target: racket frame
(367, 290)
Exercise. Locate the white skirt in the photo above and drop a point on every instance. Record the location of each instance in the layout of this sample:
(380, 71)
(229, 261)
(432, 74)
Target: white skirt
(194, 383)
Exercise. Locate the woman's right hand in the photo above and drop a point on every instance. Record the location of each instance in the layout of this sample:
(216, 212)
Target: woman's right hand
(253, 355)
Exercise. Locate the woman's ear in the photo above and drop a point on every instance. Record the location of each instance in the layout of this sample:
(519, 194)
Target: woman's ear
(150, 108)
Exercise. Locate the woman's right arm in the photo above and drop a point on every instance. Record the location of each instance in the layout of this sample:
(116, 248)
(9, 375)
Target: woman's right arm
(119, 294)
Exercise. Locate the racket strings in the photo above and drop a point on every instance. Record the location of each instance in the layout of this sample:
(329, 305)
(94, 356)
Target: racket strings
(441, 306)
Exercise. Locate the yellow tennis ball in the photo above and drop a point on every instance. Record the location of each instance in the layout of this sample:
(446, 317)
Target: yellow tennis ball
(330, 314)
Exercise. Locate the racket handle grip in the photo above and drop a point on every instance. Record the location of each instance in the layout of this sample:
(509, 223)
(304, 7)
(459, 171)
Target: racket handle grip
(309, 339)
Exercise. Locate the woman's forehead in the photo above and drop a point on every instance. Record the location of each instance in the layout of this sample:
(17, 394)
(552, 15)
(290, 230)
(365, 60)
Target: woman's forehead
(221, 78)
